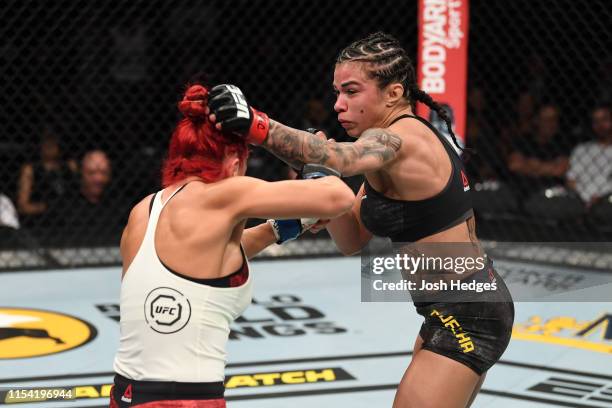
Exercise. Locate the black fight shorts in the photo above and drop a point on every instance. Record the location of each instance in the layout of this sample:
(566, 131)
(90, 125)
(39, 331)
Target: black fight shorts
(474, 333)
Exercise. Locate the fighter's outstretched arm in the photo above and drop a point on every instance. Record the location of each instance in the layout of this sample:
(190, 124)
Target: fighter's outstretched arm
(374, 148)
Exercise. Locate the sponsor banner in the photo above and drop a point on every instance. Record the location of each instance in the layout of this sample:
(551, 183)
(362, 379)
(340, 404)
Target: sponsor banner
(593, 334)
(79, 390)
(275, 378)
(521, 382)
(442, 60)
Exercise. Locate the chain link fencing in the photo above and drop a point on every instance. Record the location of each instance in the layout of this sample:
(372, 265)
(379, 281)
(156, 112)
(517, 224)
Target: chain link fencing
(89, 89)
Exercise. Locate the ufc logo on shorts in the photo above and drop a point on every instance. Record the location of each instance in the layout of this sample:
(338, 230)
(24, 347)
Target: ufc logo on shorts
(241, 105)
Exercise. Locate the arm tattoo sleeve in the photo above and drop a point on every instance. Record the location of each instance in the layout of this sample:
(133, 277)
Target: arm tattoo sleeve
(374, 148)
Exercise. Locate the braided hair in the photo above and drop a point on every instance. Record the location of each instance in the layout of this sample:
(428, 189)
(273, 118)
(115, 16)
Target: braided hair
(387, 62)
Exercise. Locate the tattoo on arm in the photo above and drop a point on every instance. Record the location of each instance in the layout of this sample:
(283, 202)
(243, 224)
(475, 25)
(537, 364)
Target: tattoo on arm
(292, 145)
(288, 145)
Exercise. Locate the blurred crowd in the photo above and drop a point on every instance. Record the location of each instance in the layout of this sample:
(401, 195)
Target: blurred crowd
(540, 165)
(79, 196)
(63, 200)
(534, 166)
(89, 103)
(536, 161)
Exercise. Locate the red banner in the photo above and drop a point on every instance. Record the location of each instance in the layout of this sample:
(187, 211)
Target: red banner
(442, 65)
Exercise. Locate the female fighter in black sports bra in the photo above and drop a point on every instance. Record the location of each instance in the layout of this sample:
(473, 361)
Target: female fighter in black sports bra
(416, 191)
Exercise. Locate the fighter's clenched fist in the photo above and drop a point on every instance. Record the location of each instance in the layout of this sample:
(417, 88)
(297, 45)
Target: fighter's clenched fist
(233, 114)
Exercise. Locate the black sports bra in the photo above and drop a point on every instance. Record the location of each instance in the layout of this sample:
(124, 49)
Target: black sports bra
(409, 221)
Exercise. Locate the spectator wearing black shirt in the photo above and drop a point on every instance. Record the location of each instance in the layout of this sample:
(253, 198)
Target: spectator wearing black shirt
(92, 215)
(541, 159)
(44, 182)
(520, 123)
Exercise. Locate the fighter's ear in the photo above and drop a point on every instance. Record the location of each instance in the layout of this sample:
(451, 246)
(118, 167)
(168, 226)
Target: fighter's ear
(232, 166)
(393, 94)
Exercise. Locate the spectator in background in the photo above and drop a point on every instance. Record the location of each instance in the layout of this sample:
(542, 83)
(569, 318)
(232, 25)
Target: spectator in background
(540, 159)
(44, 182)
(95, 177)
(590, 172)
(525, 114)
(90, 215)
(521, 123)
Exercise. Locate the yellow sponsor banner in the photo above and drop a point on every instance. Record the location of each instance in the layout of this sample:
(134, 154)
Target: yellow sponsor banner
(242, 380)
(567, 331)
(563, 341)
(286, 377)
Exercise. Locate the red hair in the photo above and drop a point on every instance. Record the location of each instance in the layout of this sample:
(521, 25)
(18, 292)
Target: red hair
(197, 148)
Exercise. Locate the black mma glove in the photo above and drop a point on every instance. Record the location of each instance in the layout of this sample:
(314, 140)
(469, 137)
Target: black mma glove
(235, 115)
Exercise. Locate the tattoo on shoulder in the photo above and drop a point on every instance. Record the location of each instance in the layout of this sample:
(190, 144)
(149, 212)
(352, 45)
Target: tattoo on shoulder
(379, 143)
(381, 138)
